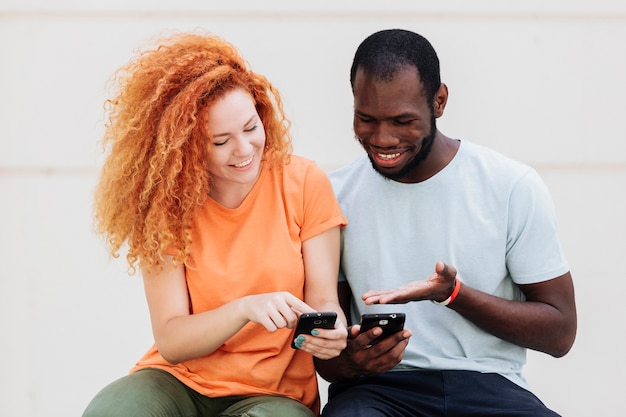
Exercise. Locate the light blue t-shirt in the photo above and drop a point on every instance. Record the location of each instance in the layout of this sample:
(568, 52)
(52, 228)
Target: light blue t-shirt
(490, 217)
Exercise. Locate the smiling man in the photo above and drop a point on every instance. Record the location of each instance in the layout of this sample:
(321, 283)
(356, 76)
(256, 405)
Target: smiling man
(456, 236)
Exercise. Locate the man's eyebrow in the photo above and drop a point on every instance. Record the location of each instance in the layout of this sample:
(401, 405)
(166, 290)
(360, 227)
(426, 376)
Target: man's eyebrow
(360, 113)
(406, 115)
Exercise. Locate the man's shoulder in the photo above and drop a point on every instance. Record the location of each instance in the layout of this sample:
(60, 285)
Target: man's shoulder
(353, 169)
(347, 179)
(491, 159)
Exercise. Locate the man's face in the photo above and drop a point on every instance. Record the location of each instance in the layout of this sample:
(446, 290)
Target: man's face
(393, 122)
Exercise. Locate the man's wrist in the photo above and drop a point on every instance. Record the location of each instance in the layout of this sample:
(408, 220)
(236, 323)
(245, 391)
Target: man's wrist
(455, 293)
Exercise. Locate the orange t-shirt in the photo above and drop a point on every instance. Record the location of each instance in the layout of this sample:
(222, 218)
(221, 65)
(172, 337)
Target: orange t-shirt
(255, 248)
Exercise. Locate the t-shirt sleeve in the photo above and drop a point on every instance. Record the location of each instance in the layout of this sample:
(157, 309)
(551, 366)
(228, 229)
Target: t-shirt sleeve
(320, 207)
(534, 252)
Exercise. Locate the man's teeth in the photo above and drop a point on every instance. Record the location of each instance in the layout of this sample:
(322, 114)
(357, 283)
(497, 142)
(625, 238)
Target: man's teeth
(388, 156)
(244, 163)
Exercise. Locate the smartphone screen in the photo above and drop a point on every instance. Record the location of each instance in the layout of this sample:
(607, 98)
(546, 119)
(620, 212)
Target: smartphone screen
(310, 321)
(390, 323)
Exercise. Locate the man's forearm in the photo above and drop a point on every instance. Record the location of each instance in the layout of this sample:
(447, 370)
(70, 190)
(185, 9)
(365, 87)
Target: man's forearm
(543, 322)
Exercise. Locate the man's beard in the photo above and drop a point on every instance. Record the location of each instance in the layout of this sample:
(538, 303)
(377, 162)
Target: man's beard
(427, 145)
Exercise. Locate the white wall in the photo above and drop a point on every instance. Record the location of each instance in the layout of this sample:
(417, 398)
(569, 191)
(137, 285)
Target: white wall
(540, 81)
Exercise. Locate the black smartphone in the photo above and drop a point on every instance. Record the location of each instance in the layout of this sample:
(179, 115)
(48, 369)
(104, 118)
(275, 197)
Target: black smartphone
(310, 321)
(390, 323)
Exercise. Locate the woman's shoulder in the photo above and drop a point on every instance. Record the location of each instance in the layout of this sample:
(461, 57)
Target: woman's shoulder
(301, 166)
(299, 172)
(300, 161)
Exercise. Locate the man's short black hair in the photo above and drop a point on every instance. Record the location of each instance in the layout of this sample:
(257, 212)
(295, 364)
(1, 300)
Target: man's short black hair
(383, 53)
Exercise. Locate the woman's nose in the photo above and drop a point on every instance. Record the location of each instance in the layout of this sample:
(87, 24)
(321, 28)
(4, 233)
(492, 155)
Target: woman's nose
(243, 146)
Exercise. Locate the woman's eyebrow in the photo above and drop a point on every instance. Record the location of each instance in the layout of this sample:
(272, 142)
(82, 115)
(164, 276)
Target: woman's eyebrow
(217, 135)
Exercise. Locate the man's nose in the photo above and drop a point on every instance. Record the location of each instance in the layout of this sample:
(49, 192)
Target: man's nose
(383, 135)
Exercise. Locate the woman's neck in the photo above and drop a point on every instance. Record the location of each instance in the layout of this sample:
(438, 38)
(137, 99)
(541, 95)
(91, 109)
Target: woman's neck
(231, 195)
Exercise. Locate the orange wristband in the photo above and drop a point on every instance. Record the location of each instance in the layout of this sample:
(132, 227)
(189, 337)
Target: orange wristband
(455, 292)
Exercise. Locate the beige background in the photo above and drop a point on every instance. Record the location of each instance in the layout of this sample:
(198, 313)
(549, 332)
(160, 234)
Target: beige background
(542, 82)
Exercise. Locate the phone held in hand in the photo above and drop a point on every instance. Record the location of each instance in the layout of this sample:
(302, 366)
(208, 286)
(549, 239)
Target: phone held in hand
(390, 323)
(309, 321)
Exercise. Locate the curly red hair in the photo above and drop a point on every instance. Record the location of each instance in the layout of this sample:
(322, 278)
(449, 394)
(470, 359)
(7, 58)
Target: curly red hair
(155, 175)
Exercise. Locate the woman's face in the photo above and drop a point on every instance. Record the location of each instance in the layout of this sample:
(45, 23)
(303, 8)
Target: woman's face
(238, 141)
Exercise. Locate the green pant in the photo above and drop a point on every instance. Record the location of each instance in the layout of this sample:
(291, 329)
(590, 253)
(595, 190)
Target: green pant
(156, 393)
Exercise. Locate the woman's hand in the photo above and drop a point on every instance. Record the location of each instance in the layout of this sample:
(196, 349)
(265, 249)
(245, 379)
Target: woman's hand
(181, 336)
(324, 343)
(275, 310)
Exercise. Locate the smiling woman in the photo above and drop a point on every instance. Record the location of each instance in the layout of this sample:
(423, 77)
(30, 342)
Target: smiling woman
(158, 131)
(238, 141)
(235, 237)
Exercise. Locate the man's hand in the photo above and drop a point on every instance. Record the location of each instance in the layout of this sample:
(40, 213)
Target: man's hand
(362, 358)
(437, 287)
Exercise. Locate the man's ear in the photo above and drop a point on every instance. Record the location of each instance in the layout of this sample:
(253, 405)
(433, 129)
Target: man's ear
(440, 100)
